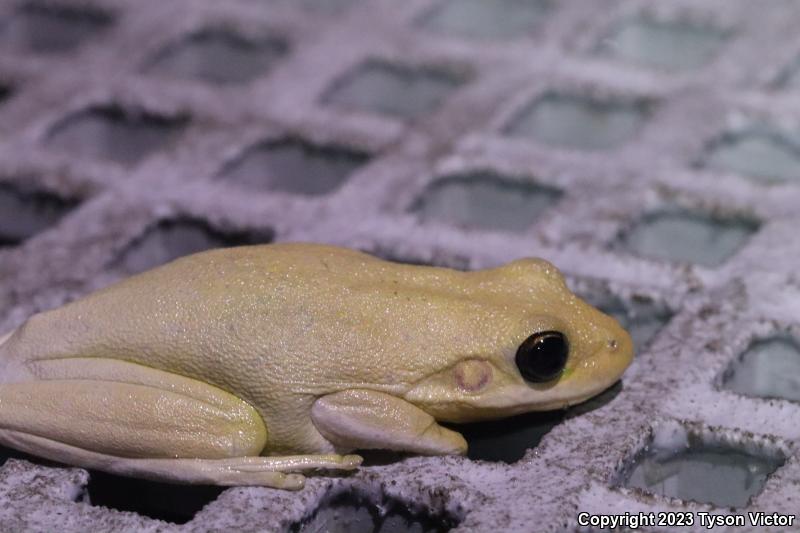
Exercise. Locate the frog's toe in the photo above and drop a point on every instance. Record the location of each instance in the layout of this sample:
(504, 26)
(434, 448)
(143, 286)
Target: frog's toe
(275, 480)
(293, 482)
(351, 462)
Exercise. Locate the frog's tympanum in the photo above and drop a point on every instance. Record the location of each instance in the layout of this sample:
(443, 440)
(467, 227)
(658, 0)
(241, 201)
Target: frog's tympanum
(248, 366)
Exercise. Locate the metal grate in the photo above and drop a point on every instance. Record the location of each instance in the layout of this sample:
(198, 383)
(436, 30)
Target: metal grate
(656, 144)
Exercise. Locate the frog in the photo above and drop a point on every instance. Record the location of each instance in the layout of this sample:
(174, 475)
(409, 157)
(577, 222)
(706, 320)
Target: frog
(258, 365)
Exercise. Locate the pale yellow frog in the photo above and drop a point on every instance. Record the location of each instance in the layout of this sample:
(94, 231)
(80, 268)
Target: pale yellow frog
(247, 366)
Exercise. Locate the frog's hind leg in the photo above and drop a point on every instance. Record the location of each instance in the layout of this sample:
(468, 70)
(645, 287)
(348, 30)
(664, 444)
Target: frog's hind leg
(128, 419)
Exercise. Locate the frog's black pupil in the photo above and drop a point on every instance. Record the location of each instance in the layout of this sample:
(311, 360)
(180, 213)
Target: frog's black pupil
(542, 356)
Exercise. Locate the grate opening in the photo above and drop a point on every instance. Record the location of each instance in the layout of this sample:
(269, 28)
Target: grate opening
(672, 45)
(171, 239)
(396, 90)
(5, 93)
(218, 56)
(687, 236)
(679, 462)
(25, 213)
(352, 512)
(486, 200)
(508, 439)
(115, 134)
(294, 166)
(163, 501)
(579, 122)
(477, 19)
(768, 368)
(48, 28)
(762, 154)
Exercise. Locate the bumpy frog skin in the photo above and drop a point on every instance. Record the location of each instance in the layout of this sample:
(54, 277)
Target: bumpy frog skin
(246, 366)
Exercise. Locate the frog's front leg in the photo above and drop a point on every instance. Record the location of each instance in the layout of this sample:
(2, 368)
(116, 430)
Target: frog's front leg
(129, 419)
(365, 419)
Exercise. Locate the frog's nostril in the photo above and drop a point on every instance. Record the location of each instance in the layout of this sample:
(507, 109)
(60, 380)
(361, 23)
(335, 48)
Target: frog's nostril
(613, 344)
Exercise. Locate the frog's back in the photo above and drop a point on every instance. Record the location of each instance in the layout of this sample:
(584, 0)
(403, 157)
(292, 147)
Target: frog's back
(190, 308)
(250, 318)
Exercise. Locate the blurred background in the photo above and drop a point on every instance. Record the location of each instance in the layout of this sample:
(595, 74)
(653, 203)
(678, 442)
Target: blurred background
(650, 150)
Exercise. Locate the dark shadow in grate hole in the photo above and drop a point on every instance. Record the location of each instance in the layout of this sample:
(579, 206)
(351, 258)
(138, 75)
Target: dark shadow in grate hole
(163, 501)
(171, 239)
(294, 166)
(5, 92)
(508, 439)
(49, 28)
(218, 56)
(24, 213)
(352, 512)
(124, 136)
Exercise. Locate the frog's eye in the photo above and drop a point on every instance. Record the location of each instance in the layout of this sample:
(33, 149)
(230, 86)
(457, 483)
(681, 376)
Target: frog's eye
(542, 356)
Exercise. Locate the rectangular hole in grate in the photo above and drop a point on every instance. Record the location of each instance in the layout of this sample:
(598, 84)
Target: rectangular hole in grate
(218, 56)
(294, 166)
(114, 134)
(5, 92)
(171, 239)
(508, 439)
(579, 122)
(673, 45)
(687, 236)
(395, 90)
(500, 19)
(768, 368)
(163, 501)
(763, 154)
(352, 512)
(681, 463)
(51, 28)
(24, 213)
(485, 200)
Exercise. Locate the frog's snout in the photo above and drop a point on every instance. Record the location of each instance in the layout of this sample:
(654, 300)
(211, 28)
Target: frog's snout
(618, 348)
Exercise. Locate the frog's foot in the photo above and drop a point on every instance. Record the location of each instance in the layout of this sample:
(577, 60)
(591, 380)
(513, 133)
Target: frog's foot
(365, 419)
(129, 419)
